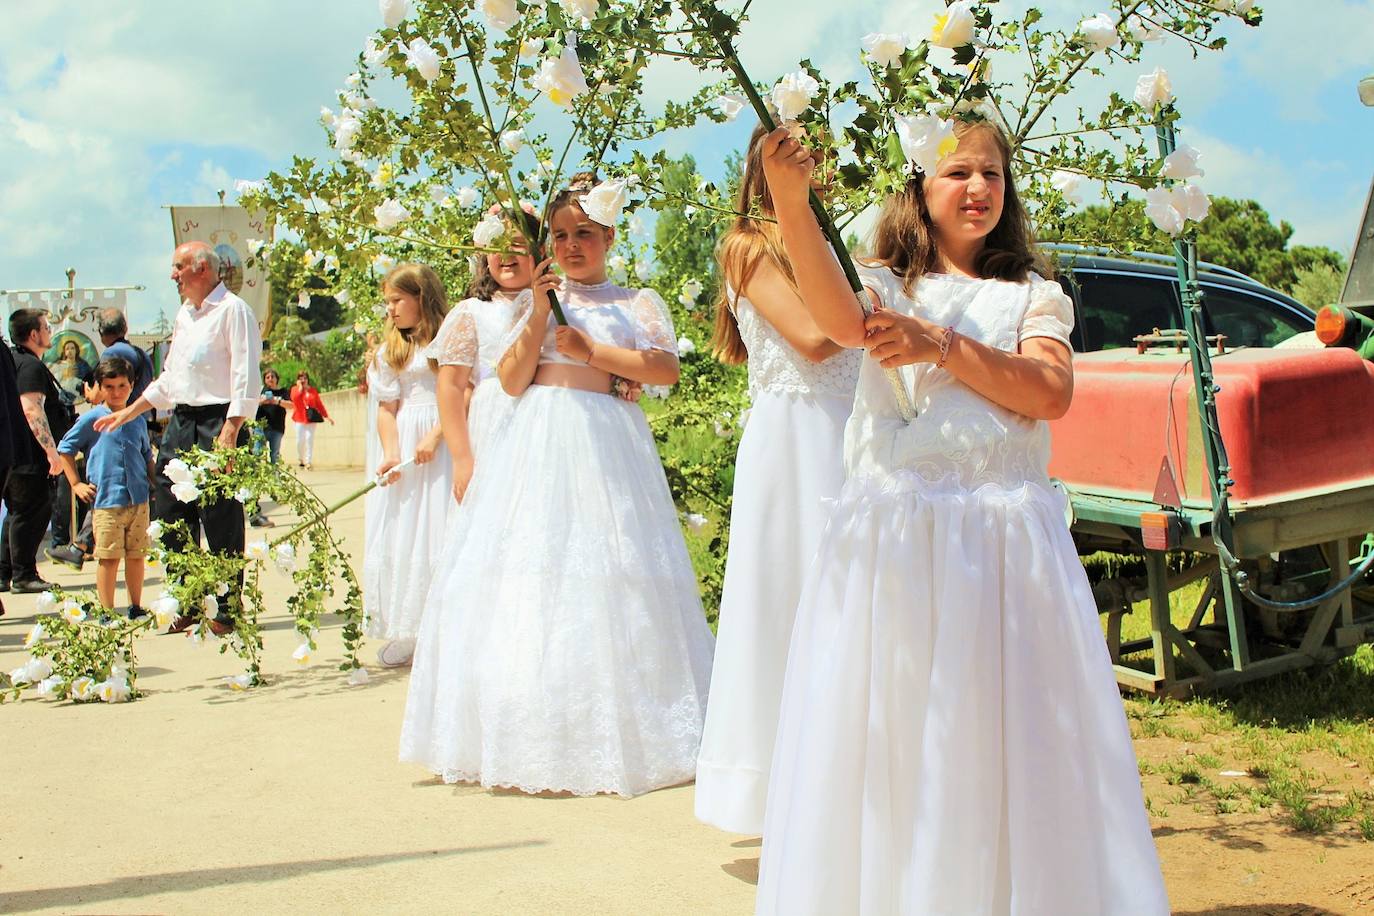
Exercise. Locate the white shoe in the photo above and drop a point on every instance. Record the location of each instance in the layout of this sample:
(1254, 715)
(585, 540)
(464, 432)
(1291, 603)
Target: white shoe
(397, 653)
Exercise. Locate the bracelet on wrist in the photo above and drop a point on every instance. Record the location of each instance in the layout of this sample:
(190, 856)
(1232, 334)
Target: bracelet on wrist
(946, 339)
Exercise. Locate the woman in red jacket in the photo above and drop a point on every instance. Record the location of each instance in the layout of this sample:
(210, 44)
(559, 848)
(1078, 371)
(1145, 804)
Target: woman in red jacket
(306, 410)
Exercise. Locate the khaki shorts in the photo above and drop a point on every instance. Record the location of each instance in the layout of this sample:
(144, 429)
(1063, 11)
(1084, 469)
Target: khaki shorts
(121, 532)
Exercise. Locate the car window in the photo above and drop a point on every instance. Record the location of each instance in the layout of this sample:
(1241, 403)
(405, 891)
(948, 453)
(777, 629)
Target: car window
(1248, 321)
(1117, 307)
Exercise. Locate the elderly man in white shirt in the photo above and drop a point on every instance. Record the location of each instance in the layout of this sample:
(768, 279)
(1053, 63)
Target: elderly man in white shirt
(210, 381)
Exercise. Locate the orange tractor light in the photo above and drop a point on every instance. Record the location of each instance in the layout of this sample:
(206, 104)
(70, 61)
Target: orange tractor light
(1332, 325)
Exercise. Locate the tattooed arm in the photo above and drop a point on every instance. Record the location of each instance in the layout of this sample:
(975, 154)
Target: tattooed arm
(38, 425)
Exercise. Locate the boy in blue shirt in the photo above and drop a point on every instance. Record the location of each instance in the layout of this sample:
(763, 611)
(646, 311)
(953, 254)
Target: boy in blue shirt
(119, 465)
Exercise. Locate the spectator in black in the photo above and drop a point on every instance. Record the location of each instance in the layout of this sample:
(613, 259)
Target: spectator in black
(272, 415)
(14, 431)
(29, 491)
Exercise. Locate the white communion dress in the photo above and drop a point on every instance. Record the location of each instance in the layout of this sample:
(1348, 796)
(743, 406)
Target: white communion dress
(566, 648)
(473, 334)
(789, 466)
(406, 520)
(952, 739)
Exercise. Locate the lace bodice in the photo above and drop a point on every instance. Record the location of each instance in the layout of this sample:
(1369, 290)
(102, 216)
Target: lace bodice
(958, 438)
(412, 386)
(472, 335)
(775, 366)
(635, 319)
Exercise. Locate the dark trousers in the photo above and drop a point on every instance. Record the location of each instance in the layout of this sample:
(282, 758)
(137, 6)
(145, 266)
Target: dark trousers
(62, 512)
(222, 519)
(28, 496)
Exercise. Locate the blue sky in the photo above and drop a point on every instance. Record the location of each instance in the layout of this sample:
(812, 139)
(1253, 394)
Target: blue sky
(109, 111)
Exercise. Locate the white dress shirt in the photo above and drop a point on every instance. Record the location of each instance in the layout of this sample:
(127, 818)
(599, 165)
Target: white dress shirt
(213, 358)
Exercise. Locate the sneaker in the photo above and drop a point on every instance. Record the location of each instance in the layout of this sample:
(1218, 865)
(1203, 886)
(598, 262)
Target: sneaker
(261, 521)
(30, 586)
(67, 555)
(136, 612)
(397, 653)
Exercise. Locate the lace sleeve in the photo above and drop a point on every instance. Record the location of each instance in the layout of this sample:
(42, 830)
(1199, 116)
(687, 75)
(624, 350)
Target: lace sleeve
(456, 342)
(524, 308)
(383, 380)
(653, 324)
(1050, 313)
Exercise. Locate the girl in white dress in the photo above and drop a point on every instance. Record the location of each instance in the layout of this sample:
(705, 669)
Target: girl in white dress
(801, 389)
(569, 651)
(951, 738)
(467, 349)
(406, 517)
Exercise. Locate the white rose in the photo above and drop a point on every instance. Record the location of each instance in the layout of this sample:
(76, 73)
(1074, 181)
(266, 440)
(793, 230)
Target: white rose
(383, 263)
(257, 550)
(1099, 32)
(501, 14)
(165, 609)
(636, 225)
(374, 53)
(177, 471)
(114, 690)
(468, 197)
(644, 270)
(353, 80)
(925, 139)
(239, 681)
(604, 203)
(513, 140)
(1141, 30)
(327, 117)
(36, 635)
(1191, 201)
(954, 27)
(49, 686)
(692, 288)
(47, 603)
(255, 246)
(1181, 163)
(302, 653)
(303, 300)
(561, 79)
(793, 94)
(186, 492)
(438, 194)
(617, 262)
(730, 105)
(286, 558)
(20, 676)
(1153, 89)
(685, 346)
(83, 688)
(581, 9)
(393, 11)
(696, 522)
(342, 296)
(488, 229)
(1160, 209)
(357, 677)
(209, 605)
(531, 47)
(346, 130)
(72, 611)
(423, 59)
(390, 214)
(885, 48)
(1068, 184)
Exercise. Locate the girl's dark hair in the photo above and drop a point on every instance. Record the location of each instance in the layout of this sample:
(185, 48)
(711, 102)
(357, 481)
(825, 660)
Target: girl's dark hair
(904, 239)
(521, 226)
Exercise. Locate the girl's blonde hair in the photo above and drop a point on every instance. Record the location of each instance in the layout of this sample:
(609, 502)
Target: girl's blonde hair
(904, 239)
(420, 281)
(748, 243)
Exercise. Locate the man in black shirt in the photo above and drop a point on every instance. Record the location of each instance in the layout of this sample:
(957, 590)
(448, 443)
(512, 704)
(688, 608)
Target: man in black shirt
(14, 431)
(28, 492)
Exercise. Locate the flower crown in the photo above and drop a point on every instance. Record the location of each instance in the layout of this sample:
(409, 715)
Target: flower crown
(495, 209)
(582, 185)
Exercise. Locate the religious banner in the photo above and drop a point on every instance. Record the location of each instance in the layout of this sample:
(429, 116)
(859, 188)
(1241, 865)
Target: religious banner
(228, 230)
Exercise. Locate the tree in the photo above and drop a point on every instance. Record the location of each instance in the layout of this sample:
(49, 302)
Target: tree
(1238, 234)
(685, 241)
(1318, 285)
